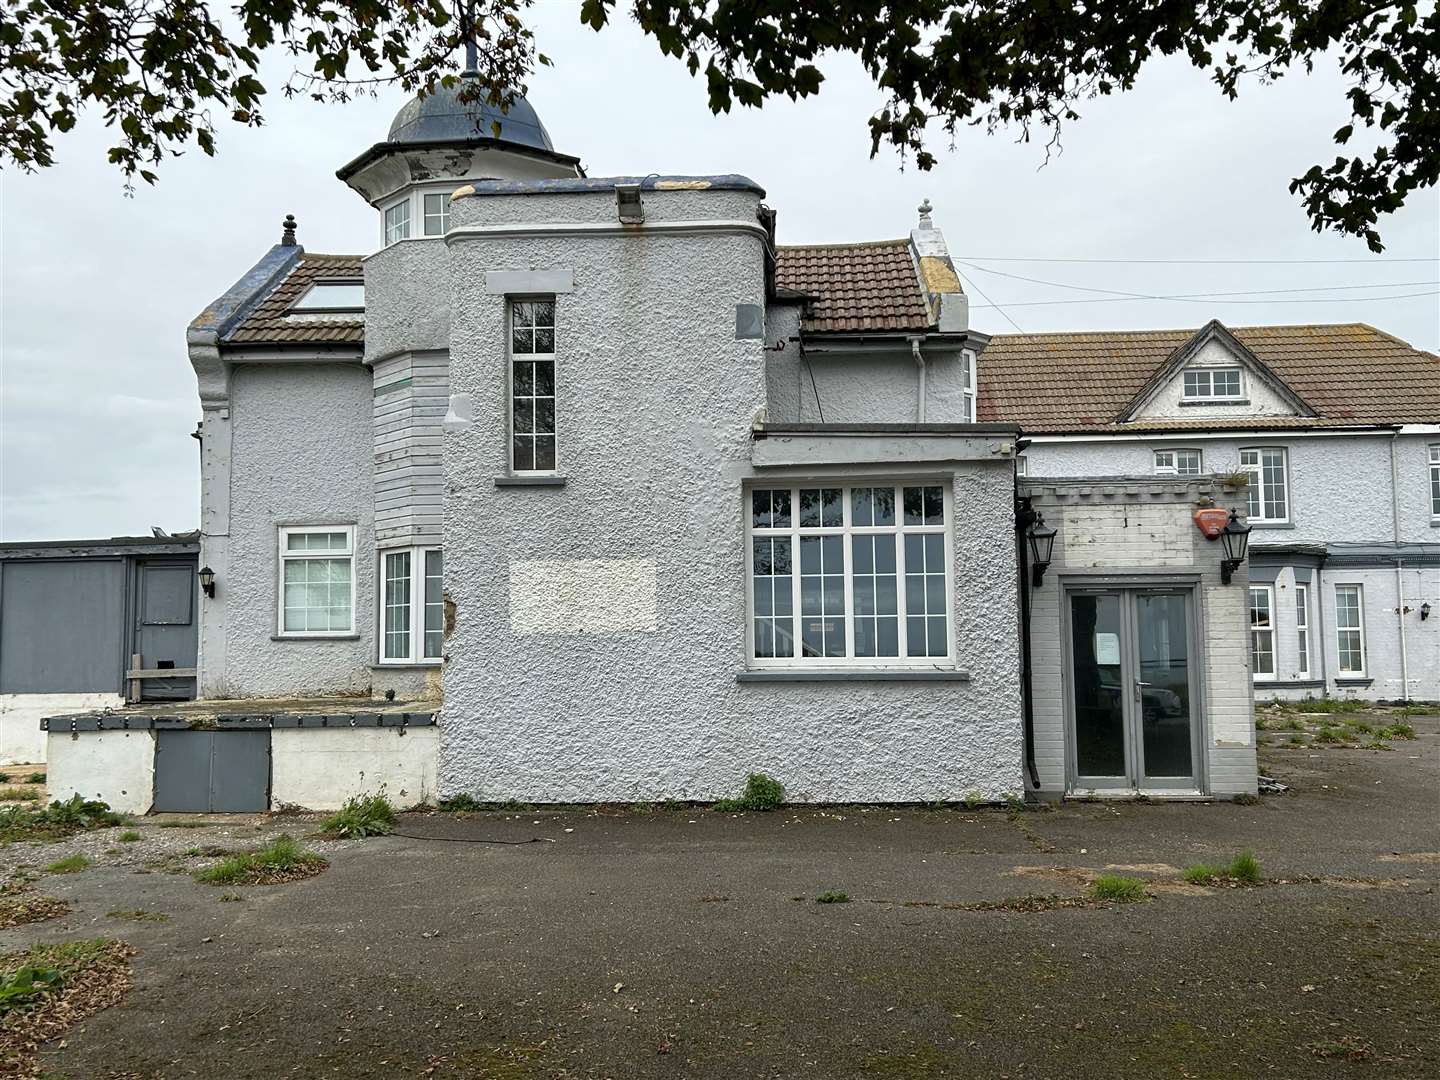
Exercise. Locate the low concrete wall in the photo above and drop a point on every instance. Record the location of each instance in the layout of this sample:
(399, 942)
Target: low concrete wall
(319, 768)
(117, 767)
(21, 740)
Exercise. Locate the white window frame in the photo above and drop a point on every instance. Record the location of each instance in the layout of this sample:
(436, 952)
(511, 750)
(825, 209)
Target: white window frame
(847, 530)
(1358, 629)
(1302, 629)
(1268, 629)
(393, 233)
(1022, 465)
(1435, 482)
(284, 555)
(969, 382)
(426, 215)
(415, 598)
(1260, 487)
(1172, 467)
(1208, 394)
(510, 360)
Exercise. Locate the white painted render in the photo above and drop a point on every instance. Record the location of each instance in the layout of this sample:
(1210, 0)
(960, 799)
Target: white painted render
(21, 740)
(116, 767)
(319, 768)
(1260, 398)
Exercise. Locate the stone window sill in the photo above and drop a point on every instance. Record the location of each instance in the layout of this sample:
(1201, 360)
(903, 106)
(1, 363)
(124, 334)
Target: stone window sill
(1361, 681)
(314, 637)
(858, 675)
(1221, 402)
(1272, 525)
(529, 481)
(428, 665)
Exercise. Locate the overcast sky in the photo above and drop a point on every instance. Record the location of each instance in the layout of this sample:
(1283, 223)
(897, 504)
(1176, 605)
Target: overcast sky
(97, 398)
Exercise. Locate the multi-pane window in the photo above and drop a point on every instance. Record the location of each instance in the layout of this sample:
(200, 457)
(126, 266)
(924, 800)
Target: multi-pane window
(412, 606)
(532, 385)
(1302, 629)
(1262, 631)
(317, 580)
(1350, 629)
(397, 222)
(1435, 481)
(856, 576)
(1179, 462)
(1220, 384)
(967, 375)
(1267, 495)
(437, 213)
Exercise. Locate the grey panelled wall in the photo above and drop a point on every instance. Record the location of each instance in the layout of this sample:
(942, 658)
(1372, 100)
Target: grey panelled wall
(62, 626)
(1130, 531)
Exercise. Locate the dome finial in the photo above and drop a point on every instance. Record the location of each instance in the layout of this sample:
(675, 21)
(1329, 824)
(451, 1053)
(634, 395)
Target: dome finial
(287, 238)
(925, 221)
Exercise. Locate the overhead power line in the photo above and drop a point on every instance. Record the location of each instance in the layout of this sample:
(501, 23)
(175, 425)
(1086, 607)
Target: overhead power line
(1199, 262)
(1204, 297)
(1219, 300)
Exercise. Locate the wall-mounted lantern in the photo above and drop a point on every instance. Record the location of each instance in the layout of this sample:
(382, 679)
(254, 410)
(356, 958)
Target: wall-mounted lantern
(1042, 546)
(207, 581)
(1236, 538)
(1425, 611)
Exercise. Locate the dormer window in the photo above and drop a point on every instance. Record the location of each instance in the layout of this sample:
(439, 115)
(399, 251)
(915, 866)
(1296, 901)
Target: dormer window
(332, 298)
(1213, 384)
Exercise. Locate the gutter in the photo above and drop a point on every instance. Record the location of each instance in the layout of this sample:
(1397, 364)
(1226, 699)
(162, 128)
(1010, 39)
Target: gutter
(920, 378)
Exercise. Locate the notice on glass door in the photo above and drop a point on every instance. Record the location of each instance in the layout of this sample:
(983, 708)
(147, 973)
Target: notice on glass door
(1107, 649)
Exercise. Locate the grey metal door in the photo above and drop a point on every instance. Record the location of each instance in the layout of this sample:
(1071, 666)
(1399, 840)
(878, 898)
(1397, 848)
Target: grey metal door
(165, 631)
(221, 772)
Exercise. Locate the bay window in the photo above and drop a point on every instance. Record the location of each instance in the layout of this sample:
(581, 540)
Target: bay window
(1262, 631)
(850, 576)
(397, 221)
(317, 580)
(1302, 629)
(412, 606)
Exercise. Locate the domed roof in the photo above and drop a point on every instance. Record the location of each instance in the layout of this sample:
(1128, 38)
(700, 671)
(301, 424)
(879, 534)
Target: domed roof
(441, 117)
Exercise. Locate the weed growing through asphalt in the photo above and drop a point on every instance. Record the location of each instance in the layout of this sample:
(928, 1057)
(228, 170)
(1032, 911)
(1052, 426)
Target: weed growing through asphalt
(281, 860)
(1246, 799)
(72, 865)
(466, 804)
(761, 793)
(59, 819)
(1329, 735)
(129, 836)
(181, 823)
(1123, 890)
(833, 896)
(361, 816)
(1395, 731)
(1327, 705)
(138, 915)
(25, 986)
(230, 897)
(1244, 869)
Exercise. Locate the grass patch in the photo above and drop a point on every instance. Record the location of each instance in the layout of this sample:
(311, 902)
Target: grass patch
(1329, 736)
(71, 865)
(833, 896)
(1244, 869)
(1395, 731)
(230, 897)
(58, 820)
(181, 823)
(467, 804)
(18, 794)
(1327, 705)
(361, 816)
(281, 860)
(137, 915)
(26, 908)
(1113, 887)
(129, 836)
(35, 778)
(761, 793)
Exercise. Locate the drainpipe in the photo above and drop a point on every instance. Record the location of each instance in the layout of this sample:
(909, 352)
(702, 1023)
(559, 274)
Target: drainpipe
(1024, 518)
(920, 368)
(1399, 562)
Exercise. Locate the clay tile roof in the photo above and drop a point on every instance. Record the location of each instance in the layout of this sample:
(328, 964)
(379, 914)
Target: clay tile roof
(1350, 374)
(269, 325)
(856, 286)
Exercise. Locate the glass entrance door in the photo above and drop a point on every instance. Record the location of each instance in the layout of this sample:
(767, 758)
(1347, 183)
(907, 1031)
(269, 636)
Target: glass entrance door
(1131, 693)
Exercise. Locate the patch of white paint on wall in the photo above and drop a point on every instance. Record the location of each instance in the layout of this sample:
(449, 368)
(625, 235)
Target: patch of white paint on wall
(21, 740)
(582, 596)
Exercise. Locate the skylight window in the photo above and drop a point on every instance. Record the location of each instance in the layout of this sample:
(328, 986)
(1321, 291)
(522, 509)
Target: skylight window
(332, 297)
